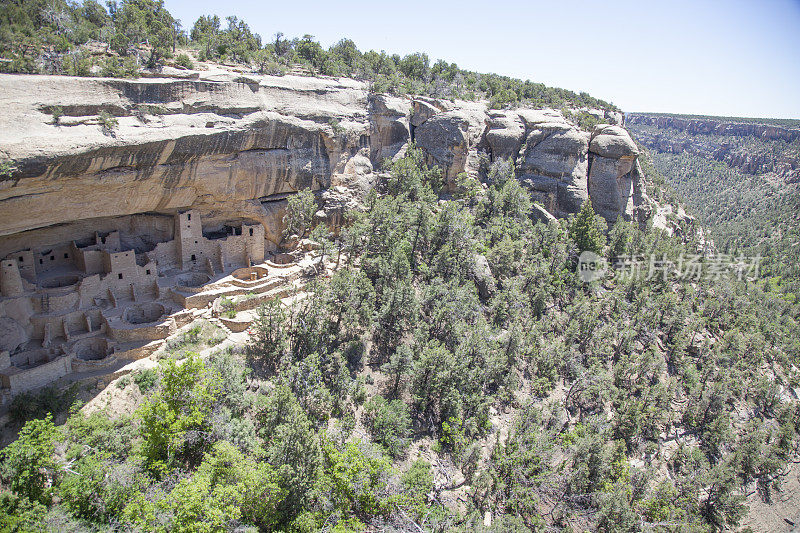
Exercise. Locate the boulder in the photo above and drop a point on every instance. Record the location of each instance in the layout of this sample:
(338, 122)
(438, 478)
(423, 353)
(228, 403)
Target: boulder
(611, 184)
(505, 134)
(615, 117)
(482, 275)
(445, 139)
(389, 120)
(611, 188)
(612, 141)
(357, 177)
(423, 110)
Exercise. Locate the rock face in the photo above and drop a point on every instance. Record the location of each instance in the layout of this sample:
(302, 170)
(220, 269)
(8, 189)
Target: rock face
(217, 146)
(565, 166)
(719, 127)
(613, 174)
(451, 137)
(232, 147)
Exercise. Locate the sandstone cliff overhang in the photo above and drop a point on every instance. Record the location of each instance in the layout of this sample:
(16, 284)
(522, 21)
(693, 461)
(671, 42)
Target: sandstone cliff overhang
(227, 145)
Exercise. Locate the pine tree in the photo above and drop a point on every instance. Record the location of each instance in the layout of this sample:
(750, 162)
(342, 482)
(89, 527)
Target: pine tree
(587, 231)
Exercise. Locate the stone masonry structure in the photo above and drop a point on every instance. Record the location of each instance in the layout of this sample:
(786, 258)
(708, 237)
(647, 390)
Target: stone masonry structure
(79, 305)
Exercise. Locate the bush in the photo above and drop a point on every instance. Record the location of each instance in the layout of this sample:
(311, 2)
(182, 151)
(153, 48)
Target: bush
(31, 405)
(7, 169)
(201, 333)
(108, 122)
(20, 514)
(300, 213)
(175, 420)
(28, 464)
(145, 379)
(184, 61)
(228, 307)
(77, 64)
(389, 423)
(417, 481)
(233, 378)
(98, 488)
(587, 230)
(337, 128)
(358, 478)
(269, 340)
(119, 67)
(226, 488)
(57, 113)
(453, 437)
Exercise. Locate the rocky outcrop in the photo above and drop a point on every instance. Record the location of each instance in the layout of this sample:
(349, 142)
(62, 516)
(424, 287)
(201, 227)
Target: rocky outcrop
(451, 137)
(555, 162)
(232, 147)
(220, 146)
(612, 175)
(390, 132)
(481, 273)
(565, 166)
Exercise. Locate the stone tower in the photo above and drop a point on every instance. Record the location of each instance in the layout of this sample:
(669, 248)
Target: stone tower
(188, 235)
(10, 279)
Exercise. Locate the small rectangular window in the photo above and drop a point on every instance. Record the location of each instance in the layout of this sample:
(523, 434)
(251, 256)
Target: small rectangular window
(52, 258)
(194, 258)
(66, 256)
(251, 232)
(21, 259)
(120, 276)
(41, 261)
(147, 271)
(189, 216)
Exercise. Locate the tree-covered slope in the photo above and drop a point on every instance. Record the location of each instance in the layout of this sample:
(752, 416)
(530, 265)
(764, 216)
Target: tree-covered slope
(452, 364)
(83, 39)
(742, 186)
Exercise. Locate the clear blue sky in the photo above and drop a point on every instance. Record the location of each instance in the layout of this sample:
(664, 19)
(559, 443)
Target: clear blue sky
(735, 58)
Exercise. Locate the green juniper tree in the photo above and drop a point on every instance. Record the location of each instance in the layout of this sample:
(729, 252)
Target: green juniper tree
(586, 230)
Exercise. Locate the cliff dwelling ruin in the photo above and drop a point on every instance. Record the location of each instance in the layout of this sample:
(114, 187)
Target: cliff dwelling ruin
(94, 305)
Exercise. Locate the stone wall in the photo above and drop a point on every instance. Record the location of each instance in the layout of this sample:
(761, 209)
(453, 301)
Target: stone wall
(17, 380)
(63, 302)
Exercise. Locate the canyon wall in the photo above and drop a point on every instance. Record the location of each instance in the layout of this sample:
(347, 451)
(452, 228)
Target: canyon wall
(750, 147)
(232, 147)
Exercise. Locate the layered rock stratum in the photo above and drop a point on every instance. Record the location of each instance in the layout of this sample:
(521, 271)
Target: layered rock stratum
(232, 146)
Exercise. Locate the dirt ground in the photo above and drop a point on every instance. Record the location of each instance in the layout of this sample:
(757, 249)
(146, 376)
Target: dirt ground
(783, 513)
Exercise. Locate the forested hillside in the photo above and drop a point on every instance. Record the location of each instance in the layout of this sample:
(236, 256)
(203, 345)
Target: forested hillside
(744, 189)
(451, 374)
(85, 39)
